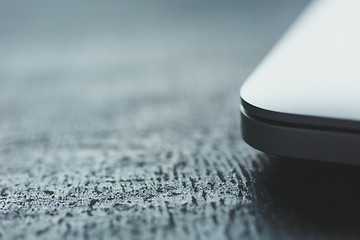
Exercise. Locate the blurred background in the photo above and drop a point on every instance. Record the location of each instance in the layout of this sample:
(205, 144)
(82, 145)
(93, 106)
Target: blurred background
(120, 119)
(120, 56)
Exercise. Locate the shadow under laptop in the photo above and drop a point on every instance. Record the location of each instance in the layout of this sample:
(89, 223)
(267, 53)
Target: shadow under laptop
(311, 195)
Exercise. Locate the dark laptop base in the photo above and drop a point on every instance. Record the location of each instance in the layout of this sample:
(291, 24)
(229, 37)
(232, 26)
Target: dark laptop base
(300, 141)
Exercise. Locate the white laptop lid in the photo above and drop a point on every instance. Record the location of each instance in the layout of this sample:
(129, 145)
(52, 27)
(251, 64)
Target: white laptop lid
(314, 71)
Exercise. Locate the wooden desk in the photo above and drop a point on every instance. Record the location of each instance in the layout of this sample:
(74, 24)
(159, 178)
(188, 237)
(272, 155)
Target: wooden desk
(121, 120)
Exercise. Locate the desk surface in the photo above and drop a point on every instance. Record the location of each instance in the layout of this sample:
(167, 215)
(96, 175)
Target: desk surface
(121, 121)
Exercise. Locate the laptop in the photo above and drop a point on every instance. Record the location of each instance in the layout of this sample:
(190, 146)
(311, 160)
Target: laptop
(303, 100)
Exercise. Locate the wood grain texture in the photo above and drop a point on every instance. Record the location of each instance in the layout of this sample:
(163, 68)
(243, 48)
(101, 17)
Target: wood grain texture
(120, 121)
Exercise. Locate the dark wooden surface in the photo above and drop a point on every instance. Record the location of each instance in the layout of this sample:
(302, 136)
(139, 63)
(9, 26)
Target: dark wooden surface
(120, 120)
